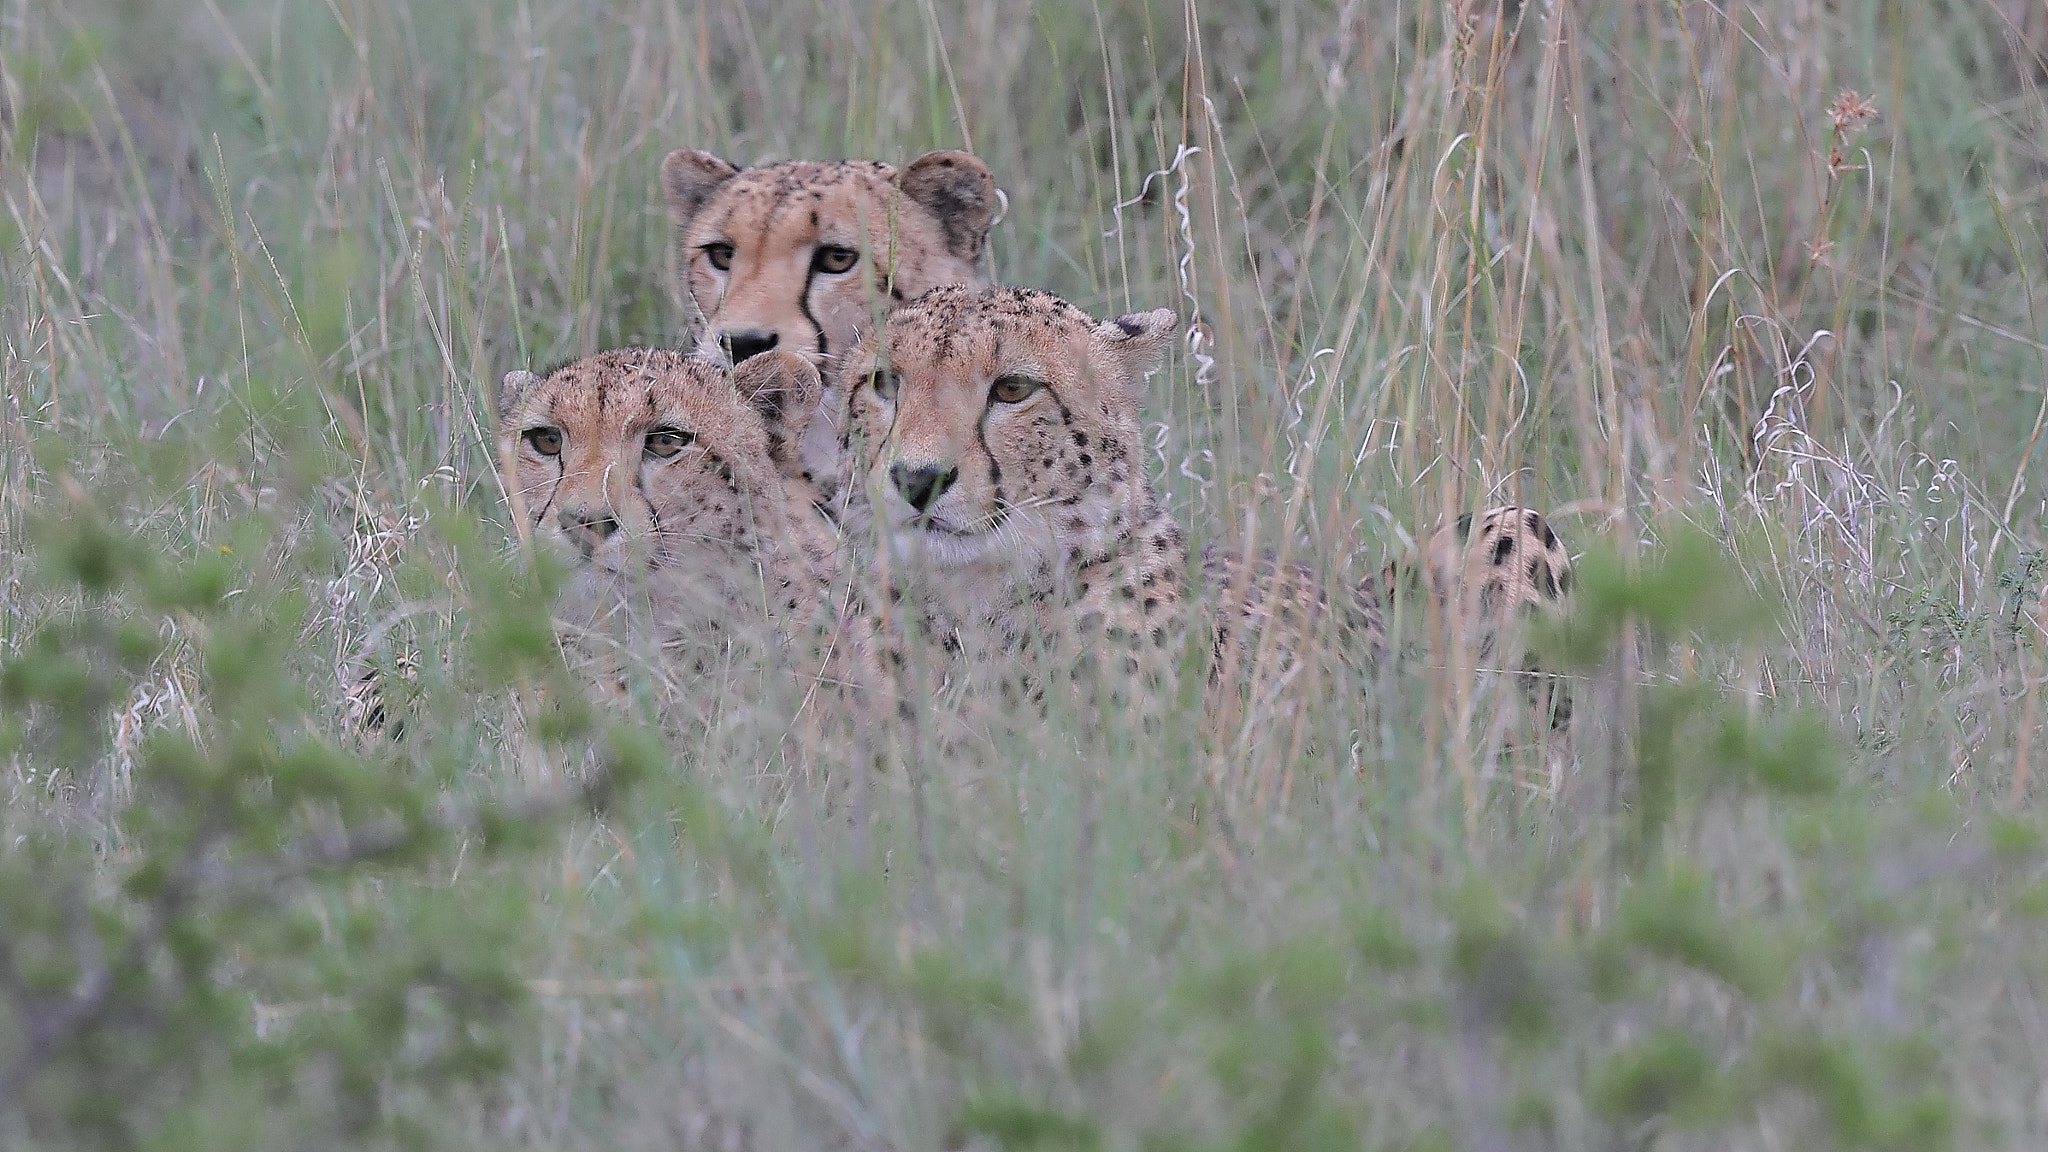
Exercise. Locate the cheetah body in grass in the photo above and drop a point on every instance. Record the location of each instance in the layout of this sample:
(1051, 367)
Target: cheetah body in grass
(808, 256)
(1501, 565)
(996, 449)
(993, 435)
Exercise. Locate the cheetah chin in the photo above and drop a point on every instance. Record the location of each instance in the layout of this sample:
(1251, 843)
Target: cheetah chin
(994, 547)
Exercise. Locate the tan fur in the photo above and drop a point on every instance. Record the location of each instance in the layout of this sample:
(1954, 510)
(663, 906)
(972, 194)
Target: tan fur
(1014, 520)
(1042, 530)
(778, 229)
(1037, 523)
(1267, 613)
(715, 537)
(1491, 573)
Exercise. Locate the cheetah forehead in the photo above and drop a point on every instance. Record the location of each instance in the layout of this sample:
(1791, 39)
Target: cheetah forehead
(618, 393)
(966, 330)
(1018, 313)
(819, 199)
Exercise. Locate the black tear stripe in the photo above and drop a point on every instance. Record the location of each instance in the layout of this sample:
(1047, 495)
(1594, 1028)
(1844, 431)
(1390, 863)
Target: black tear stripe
(1503, 548)
(654, 547)
(803, 305)
(995, 468)
(560, 472)
(653, 513)
(553, 489)
(803, 301)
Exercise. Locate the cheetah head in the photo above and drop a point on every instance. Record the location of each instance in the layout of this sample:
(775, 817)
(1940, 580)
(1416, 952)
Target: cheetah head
(648, 464)
(1000, 425)
(803, 255)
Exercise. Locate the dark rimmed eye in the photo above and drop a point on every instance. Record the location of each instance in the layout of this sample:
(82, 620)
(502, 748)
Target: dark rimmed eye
(720, 255)
(663, 443)
(885, 384)
(833, 259)
(546, 441)
(1013, 389)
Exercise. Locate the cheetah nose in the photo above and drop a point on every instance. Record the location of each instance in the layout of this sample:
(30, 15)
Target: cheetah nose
(745, 343)
(585, 528)
(922, 485)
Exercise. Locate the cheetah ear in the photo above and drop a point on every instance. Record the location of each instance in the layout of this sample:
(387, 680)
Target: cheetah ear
(959, 192)
(688, 178)
(784, 388)
(1138, 341)
(512, 389)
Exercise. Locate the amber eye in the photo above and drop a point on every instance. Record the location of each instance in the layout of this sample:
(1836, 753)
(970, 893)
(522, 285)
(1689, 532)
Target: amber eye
(720, 255)
(834, 259)
(885, 384)
(546, 441)
(1013, 389)
(663, 443)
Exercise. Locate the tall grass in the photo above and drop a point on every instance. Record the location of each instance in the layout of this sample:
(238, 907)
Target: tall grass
(1653, 267)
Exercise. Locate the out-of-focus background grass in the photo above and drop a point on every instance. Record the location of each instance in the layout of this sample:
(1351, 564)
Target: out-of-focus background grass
(1748, 294)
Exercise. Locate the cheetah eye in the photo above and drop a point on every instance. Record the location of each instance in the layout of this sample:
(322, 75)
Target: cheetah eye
(1014, 389)
(546, 441)
(831, 258)
(885, 384)
(663, 443)
(720, 255)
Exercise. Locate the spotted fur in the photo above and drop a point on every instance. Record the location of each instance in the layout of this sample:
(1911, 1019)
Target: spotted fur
(1493, 572)
(805, 256)
(998, 437)
(1268, 612)
(668, 481)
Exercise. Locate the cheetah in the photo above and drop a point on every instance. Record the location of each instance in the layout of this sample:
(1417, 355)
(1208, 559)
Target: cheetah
(804, 256)
(996, 431)
(667, 480)
(997, 434)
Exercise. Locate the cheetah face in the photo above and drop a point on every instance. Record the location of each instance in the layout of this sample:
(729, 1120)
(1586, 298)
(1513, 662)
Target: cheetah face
(805, 256)
(643, 462)
(1001, 426)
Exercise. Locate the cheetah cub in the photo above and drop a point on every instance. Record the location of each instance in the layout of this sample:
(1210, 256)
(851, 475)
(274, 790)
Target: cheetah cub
(666, 480)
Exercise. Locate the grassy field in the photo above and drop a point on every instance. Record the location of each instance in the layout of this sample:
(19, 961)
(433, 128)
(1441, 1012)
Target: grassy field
(1745, 293)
